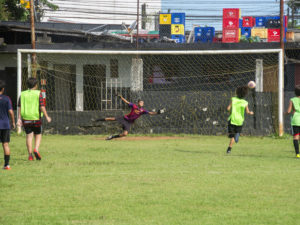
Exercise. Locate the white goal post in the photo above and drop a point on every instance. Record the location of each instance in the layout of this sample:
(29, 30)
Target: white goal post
(280, 53)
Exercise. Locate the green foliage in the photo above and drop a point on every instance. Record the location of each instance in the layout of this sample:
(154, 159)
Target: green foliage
(13, 10)
(294, 4)
(184, 181)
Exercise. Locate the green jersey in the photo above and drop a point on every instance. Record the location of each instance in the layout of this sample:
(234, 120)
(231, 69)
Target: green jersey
(30, 105)
(296, 116)
(238, 107)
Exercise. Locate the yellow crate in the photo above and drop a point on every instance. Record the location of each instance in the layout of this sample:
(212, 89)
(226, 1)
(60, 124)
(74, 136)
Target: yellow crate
(26, 2)
(177, 29)
(164, 18)
(262, 33)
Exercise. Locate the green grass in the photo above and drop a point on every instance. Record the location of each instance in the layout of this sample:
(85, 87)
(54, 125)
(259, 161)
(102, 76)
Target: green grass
(82, 180)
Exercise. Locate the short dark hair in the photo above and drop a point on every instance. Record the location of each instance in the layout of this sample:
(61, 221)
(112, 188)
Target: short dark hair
(241, 92)
(140, 100)
(31, 82)
(297, 90)
(2, 84)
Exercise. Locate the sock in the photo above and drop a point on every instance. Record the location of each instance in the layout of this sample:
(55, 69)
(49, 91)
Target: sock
(6, 160)
(296, 145)
(228, 149)
(116, 136)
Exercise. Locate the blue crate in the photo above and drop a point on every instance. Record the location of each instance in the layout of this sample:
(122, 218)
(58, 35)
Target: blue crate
(260, 21)
(198, 31)
(209, 32)
(204, 33)
(246, 31)
(178, 18)
(178, 38)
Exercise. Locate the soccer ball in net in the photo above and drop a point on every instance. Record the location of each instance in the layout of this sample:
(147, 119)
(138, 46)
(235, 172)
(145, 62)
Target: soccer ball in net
(251, 84)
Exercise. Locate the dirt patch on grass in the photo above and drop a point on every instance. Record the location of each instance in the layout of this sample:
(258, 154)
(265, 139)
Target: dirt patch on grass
(143, 138)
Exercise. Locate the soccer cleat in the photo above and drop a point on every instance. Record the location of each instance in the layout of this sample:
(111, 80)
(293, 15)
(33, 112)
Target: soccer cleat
(236, 137)
(6, 167)
(109, 138)
(298, 156)
(228, 151)
(37, 155)
(30, 158)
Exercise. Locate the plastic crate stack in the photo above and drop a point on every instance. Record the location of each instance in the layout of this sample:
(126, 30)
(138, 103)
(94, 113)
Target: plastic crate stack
(266, 28)
(251, 29)
(231, 25)
(172, 25)
(204, 34)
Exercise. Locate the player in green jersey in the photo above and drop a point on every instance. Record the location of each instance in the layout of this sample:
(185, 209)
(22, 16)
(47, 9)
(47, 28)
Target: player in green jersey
(294, 108)
(237, 108)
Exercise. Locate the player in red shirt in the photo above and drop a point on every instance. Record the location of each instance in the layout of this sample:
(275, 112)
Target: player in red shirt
(127, 120)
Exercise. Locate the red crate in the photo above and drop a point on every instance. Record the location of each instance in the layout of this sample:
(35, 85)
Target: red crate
(248, 21)
(231, 13)
(231, 23)
(286, 21)
(273, 35)
(231, 35)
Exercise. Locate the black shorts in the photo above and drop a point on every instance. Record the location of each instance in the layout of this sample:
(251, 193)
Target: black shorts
(233, 129)
(125, 124)
(35, 129)
(5, 136)
(296, 130)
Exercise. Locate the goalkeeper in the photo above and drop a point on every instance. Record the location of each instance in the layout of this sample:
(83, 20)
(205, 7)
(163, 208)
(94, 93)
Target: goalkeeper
(128, 120)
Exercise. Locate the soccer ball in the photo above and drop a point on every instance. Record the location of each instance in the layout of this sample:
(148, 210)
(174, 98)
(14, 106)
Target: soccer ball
(251, 84)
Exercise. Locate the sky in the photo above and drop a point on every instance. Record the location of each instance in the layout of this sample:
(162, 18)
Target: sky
(209, 13)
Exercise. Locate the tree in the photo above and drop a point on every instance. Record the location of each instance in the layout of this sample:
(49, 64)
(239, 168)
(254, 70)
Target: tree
(294, 5)
(13, 10)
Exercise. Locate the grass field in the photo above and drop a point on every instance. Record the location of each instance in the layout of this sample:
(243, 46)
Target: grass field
(189, 180)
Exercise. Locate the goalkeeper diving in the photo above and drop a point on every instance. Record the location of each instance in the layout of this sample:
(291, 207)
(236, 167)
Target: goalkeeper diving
(128, 120)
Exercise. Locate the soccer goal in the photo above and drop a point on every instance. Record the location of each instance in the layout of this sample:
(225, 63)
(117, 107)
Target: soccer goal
(194, 86)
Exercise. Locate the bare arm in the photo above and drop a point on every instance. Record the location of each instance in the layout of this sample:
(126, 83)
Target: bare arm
(12, 117)
(290, 108)
(152, 113)
(123, 99)
(43, 109)
(229, 107)
(248, 111)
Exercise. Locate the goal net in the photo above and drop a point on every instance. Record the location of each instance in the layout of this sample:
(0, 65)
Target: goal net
(194, 86)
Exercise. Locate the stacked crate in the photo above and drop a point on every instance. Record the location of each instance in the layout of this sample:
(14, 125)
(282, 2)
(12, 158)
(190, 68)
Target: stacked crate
(204, 34)
(172, 25)
(231, 25)
(268, 28)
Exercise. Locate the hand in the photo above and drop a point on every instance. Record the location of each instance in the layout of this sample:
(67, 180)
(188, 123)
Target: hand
(19, 123)
(13, 125)
(118, 95)
(251, 113)
(48, 119)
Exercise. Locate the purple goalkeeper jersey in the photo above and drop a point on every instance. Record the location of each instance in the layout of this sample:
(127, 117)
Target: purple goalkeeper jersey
(135, 113)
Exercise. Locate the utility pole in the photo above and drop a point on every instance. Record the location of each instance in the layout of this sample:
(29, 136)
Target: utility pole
(32, 37)
(293, 13)
(282, 30)
(137, 25)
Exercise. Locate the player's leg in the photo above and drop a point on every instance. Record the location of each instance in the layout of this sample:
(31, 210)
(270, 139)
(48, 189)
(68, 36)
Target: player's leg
(123, 134)
(231, 135)
(6, 149)
(29, 138)
(296, 133)
(105, 119)
(37, 142)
